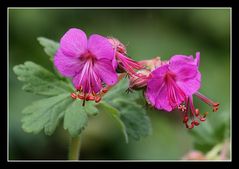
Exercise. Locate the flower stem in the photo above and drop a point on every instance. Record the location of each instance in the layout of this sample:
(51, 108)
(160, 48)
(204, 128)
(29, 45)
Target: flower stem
(74, 148)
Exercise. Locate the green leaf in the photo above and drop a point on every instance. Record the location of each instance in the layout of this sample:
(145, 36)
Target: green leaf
(135, 119)
(107, 108)
(132, 114)
(90, 108)
(39, 80)
(50, 46)
(45, 114)
(75, 119)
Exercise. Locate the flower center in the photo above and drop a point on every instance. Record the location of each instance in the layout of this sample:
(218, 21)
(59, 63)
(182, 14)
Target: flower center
(175, 93)
(90, 86)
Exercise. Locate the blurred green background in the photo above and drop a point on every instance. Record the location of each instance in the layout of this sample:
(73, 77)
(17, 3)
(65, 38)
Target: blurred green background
(148, 33)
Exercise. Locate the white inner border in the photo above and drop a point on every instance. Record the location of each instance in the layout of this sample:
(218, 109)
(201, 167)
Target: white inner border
(229, 8)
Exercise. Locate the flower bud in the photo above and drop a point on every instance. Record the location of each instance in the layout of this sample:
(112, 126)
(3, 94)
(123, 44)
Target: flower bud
(152, 64)
(139, 81)
(120, 47)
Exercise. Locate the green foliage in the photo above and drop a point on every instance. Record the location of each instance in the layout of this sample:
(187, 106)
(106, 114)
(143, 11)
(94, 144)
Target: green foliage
(135, 119)
(75, 119)
(131, 116)
(39, 80)
(50, 46)
(105, 107)
(45, 114)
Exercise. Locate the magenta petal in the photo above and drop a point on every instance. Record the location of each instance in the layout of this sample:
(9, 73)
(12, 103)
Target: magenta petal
(190, 86)
(160, 71)
(81, 80)
(156, 92)
(67, 66)
(106, 71)
(153, 88)
(182, 59)
(114, 63)
(100, 47)
(162, 101)
(74, 43)
(183, 70)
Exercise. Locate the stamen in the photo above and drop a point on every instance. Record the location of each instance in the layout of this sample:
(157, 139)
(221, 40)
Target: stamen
(104, 90)
(191, 126)
(90, 98)
(73, 96)
(215, 105)
(196, 123)
(188, 105)
(97, 99)
(185, 119)
(80, 96)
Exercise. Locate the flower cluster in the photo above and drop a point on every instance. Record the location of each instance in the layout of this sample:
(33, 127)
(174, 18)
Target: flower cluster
(94, 64)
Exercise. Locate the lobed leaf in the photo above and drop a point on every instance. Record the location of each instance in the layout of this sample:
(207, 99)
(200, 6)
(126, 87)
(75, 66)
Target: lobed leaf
(75, 119)
(50, 46)
(39, 80)
(45, 114)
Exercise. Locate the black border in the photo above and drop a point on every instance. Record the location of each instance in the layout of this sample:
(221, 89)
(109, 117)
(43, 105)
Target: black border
(4, 4)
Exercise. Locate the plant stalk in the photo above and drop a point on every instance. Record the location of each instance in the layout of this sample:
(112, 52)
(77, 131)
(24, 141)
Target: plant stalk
(74, 148)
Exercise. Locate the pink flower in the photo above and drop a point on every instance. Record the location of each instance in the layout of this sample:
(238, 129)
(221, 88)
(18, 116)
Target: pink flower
(87, 62)
(172, 85)
(121, 61)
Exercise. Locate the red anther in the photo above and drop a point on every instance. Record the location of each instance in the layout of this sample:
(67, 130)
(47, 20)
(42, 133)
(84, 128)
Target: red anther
(73, 96)
(202, 119)
(196, 123)
(192, 125)
(81, 97)
(185, 120)
(215, 109)
(215, 104)
(196, 112)
(89, 97)
(186, 124)
(97, 99)
(104, 90)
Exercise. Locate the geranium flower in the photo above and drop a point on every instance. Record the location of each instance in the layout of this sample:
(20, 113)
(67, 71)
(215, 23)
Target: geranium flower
(173, 85)
(87, 61)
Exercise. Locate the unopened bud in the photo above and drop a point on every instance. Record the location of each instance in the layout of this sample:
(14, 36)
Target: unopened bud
(139, 81)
